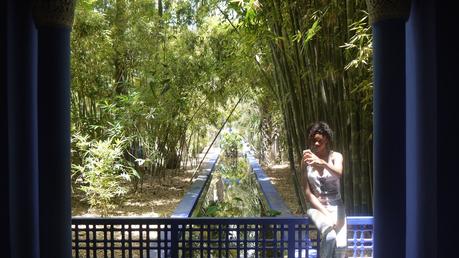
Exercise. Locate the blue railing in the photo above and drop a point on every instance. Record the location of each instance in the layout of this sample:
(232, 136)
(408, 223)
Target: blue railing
(209, 237)
(360, 236)
(180, 236)
(272, 197)
(188, 203)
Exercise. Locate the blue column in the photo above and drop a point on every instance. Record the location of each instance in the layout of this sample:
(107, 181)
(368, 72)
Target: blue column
(389, 138)
(4, 183)
(54, 141)
(54, 20)
(421, 131)
(22, 124)
(447, 127)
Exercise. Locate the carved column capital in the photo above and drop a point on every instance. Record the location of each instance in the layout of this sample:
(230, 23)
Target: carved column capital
(54, 13)
(388, 9)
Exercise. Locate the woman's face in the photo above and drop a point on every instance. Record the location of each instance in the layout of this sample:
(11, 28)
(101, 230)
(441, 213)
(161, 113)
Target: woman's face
(319, 143)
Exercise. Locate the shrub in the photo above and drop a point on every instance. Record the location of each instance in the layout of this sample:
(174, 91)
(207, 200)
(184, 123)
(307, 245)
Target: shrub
(101, 174)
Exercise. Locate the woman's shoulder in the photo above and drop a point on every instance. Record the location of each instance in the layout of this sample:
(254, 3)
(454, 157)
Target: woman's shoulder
(335, 154)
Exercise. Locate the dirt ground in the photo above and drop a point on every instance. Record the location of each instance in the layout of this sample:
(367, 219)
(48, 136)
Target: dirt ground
(159, 198)
(282, 180)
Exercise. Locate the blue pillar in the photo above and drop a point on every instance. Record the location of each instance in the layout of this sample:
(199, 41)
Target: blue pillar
(54, 126)
(421, 131)
(388, 25)
(22, 124)
(54, 141)
(447, 127)
(4, 183)
(389, 138)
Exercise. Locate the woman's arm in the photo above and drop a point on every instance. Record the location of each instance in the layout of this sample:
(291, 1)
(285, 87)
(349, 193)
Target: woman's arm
(335, 165)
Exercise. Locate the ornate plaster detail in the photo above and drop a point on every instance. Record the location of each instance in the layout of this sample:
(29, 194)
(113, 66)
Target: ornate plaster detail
(388, 9)
(54, 13)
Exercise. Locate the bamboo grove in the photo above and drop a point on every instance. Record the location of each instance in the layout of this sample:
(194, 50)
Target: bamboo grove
(152, 80)
(317, 55)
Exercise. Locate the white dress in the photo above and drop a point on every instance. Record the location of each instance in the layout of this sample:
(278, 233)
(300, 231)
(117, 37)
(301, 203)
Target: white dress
(326, 188)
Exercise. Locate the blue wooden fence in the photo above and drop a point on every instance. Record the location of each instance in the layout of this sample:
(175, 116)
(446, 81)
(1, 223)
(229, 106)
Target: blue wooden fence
(209, 237)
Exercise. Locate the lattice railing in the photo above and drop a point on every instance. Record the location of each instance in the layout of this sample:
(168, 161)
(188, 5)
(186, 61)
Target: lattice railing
(360, 236)
(207, 237)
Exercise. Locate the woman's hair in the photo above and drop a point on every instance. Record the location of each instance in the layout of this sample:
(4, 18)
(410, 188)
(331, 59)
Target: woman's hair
(320, 128)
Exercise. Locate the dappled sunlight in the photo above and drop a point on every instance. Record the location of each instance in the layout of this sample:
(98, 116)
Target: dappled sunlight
(274, 180)
(279, 166)
(164, 202)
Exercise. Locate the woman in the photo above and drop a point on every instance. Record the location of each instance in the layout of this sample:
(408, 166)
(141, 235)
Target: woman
(323, 170)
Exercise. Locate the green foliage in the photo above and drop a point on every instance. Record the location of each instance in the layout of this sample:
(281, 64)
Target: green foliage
(241, 195)
(233, 169)
(360, 44)
(360, 51)
(161, 78)
(312, 78)
(231, 144)
(273, 213)
(157, 77)
(102, 173)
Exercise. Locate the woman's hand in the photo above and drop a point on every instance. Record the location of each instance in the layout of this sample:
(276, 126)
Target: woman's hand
(312, 160)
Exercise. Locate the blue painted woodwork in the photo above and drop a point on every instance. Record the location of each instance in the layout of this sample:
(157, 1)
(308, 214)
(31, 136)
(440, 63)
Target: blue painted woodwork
(273, 198)
(190, 199)
(23, 207)
(389, 137)
(53, 138)
(209, 237)
(421, 110)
